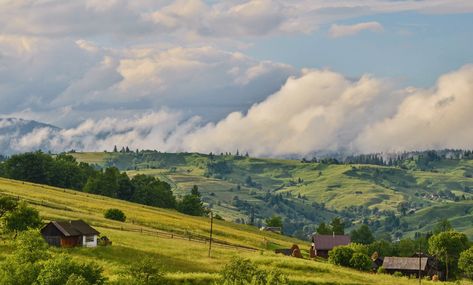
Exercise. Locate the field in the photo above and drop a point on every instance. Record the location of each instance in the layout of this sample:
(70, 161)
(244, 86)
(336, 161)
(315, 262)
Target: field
(183, 260)
(352, 191)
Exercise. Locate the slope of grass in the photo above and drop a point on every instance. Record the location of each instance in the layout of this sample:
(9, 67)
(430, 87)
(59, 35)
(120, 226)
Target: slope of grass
(185, 262)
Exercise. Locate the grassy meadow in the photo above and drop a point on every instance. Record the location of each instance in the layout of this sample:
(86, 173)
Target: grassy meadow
(184, 261)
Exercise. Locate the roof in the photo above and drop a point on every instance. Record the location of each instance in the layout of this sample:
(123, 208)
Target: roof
(404, 263)
(327, 242)
(75, 228)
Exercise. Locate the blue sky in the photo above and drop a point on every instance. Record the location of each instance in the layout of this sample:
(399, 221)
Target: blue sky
(414, 48)
(271, 77)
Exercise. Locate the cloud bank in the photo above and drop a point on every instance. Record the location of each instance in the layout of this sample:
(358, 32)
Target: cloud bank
(319, 110)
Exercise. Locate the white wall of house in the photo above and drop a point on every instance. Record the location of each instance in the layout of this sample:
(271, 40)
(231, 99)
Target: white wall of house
(89, 241)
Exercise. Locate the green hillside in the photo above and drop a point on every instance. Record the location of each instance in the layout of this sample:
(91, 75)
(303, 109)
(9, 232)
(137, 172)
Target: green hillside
(398, 200)
(183, 260)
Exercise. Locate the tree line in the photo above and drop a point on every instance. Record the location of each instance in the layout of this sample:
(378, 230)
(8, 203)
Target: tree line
(64, 171)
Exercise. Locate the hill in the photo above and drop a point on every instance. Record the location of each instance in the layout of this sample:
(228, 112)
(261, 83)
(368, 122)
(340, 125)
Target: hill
(15, 134)
(185, 261)
(399, 200)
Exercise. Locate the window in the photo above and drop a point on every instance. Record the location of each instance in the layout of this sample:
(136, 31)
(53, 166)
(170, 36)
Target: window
(89, 239)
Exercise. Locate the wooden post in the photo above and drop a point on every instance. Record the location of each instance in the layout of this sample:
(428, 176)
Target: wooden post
(420, 261)
(211, 230)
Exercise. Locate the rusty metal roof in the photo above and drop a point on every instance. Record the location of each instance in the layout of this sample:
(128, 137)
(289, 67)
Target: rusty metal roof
(404, 263)
(327, 242)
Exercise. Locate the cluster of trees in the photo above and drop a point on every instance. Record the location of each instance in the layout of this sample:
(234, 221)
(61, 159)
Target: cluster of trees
(37, 167)
(336, 226)
(453, 249)
(64, 171)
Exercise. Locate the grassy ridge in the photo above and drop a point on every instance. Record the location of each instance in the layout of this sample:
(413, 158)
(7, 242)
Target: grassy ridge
(183, 261)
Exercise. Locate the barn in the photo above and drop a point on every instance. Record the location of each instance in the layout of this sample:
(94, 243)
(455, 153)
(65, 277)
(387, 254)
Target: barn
(70, 234)
(322, 244)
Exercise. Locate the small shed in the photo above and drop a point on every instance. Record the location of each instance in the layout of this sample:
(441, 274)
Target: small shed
(70, 234)
(322, 244)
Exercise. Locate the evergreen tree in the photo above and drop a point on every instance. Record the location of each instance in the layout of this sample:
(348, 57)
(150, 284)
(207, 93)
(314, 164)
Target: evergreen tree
(338, 227)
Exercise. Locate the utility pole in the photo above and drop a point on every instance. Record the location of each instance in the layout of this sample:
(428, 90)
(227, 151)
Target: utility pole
(211, 229)
(420, 259)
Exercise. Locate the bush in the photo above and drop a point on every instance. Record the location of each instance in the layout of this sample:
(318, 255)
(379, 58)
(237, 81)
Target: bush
(146, 272)
(397, 274)
(381, 270)
(465, 263)
(62, 270)
(341, 255)
(240, 271)
(360, 261)
(115, 214)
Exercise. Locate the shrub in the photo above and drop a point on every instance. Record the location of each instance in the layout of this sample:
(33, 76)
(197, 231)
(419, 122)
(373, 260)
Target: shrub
(397, 274)
(115, 214)
(465, 263)
(381, 270)
(146, 272)
(360, 261)
(59, 271)
(341, 255)
(240, 271)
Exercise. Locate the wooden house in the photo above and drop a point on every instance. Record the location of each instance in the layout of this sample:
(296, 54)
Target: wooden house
(70, 234)
(322, 244)
(409, 266)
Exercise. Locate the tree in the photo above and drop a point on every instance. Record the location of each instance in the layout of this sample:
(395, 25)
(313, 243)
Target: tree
(151, 191)
(22, 219)
(24, 265)
(360, 261)
(338, 227)
(7, 204)
(323, 229)
(195, 191)
(115, 214)
(191, 205)
(407, 247)
(274, 221)
(341, 255)
(362, 235)
(443, 225)
(465, 263)
(447, 246)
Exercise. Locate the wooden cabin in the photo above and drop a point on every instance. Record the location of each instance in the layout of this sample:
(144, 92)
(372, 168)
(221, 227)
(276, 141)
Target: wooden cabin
(322, 244)
(70, 234)
(409, 266)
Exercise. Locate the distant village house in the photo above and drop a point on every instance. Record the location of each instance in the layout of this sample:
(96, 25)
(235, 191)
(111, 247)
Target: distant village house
(277, 230)
(322, 244)
(70, 234)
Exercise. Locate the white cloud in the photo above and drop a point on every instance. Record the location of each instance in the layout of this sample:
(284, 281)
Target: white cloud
(337, 31)
(318, 111)
(428, 118)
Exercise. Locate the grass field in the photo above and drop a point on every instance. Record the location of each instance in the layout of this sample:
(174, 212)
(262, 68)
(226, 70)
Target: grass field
(183, 260)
